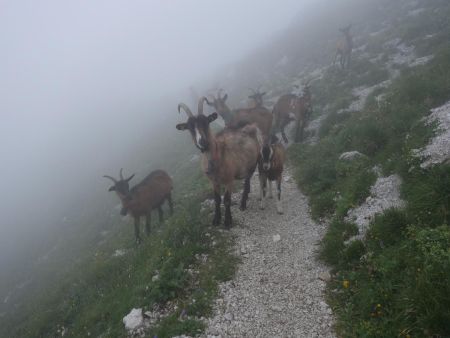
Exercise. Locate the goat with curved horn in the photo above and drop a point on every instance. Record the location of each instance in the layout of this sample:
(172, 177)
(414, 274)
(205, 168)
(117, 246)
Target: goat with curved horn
(140, 200)
(186, 109)
(236, 118)
(226, 156)
(201, 103)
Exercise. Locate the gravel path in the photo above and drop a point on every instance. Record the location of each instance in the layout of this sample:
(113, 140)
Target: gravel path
(278, 290)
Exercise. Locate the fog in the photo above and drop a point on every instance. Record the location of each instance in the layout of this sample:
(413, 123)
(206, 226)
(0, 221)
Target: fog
(84, 82)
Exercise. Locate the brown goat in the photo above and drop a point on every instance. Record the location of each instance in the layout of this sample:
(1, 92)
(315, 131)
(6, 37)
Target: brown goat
(257, 98)
(270, 168)
(344, 48)
(229, 155)
(140, 200)
(291, 107)
(258, 115)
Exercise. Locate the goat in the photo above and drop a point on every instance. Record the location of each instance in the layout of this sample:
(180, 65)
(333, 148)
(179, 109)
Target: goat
(291, 107)
(258, 115)
(257, 98)
(229, 155)
(344, 48)
(145, 196)
(270, 168)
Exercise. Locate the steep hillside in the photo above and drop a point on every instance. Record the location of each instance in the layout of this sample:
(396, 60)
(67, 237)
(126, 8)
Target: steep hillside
(374, 167)
(375, 164)
(364, 170)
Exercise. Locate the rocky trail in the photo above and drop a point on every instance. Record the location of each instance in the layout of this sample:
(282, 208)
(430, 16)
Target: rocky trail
(278, 290)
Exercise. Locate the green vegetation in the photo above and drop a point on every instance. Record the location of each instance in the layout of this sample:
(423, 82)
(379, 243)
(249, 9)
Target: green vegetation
(189, 257)
(396, 282)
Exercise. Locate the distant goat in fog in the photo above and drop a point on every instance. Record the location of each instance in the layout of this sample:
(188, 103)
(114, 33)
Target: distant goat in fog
(140, 200)
(344, 48)
(257, 98)
(234, 118)
(291, 107)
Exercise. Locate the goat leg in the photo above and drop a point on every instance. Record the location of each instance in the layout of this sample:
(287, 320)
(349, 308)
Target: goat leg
(136, 230)
(299, 131)
(169, 199)
(218, 201)
(283, 135)
(227, 202)
(148, 220)
(262, 186)
(279, 206)
(160, 214)
(245, 193)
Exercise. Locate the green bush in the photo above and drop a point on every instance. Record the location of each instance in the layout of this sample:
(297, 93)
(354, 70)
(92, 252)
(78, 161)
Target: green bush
(430, 292)
(332, 245)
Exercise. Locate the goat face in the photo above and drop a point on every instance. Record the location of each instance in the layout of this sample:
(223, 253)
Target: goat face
(122, 186)
(198, 126)
(266, 157)
(218, 103)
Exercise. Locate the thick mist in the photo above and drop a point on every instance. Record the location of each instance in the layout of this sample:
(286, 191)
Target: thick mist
(83, 83)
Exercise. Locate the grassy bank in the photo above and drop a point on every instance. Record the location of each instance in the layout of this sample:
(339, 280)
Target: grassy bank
(176, 268)
(396, 282)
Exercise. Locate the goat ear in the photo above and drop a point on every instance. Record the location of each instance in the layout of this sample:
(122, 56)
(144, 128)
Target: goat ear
(181, 126)
(113, 188)
(129, 178)
(212, 117)
(225, 97)
(262, 94)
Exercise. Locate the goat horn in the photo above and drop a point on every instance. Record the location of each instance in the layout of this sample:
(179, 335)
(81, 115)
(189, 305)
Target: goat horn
(111, 178)
(121, 176)
(186, 109)
(201, 102)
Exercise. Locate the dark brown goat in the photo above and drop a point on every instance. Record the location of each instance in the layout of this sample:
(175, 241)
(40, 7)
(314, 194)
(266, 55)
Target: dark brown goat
(140, 200)
(229, 155)
(344, 48)
(291, 107)
(258, 115)
(270, 168)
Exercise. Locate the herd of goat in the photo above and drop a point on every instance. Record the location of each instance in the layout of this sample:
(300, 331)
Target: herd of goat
(247, 142)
